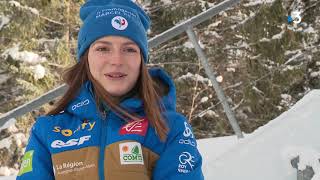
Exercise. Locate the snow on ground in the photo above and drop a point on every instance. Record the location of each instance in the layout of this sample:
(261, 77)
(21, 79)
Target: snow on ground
(4, 78)
(212, 148)
(286, 100)
(231, 70)
(264, 40)
(288, 52)
(24, 56)
(204, 99)
(4, 20)
(213, 33)
(30, 58)
(209, 113)
(257, 2)
(17, 4)
(5, 143)
(167, 2)
(315, 74)
(19, 138)
(188, 45)
(8, 178)
(196, 77)
(251, 15)
(5, 171)
(204, 3)
(214, 24)
(309, 30)
(219, 79)
(295, 57)
(8, 124)
(38, 71)
(267, 152)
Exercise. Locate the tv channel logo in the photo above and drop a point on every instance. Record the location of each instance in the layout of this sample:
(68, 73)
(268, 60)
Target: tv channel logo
(295, 17)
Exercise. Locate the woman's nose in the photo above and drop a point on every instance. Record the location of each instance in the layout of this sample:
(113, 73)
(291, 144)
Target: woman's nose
(116, 58)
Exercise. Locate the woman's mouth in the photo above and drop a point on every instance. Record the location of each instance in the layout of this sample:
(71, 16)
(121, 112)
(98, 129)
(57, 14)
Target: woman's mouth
(115, 75)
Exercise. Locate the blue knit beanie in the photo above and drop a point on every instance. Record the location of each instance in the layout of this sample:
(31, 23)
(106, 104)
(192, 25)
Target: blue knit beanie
(113, 17)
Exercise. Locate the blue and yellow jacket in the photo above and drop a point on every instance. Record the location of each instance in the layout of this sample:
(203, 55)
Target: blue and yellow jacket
(81, 144)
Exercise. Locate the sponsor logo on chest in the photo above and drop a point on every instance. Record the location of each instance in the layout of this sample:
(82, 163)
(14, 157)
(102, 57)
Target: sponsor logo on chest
(80, 104)
(135, 127)
(86, 126)
(70, 167)
(131, 153)
(71, 142)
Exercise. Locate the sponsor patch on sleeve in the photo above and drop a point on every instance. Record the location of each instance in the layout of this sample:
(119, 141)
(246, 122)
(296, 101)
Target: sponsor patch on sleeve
(26, 164)
(131, 153)
(186, 164)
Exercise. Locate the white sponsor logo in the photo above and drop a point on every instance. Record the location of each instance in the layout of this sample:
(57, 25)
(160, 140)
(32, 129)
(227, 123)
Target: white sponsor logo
(82, 103)
(119, 23)
(187, 141)
(70, 167)
(71, 142)
(134, 127)
(115, 11)
(187, 132)
(131, 153)
(296, 17)
(186, 162)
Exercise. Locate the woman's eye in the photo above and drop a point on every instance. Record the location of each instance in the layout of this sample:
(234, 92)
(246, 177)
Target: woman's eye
(130, 50)
(102, 49)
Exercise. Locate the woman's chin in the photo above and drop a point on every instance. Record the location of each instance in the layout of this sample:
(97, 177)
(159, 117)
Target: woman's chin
(116, 92)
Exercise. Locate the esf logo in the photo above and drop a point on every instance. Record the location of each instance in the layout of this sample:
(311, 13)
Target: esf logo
(80, 104)
(68, 132)
(71, 142)
(295, 17)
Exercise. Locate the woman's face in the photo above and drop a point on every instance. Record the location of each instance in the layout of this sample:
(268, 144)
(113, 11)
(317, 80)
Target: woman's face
(114, 61)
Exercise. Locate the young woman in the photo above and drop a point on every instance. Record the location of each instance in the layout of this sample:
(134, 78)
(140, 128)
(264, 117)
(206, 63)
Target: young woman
(118, 119)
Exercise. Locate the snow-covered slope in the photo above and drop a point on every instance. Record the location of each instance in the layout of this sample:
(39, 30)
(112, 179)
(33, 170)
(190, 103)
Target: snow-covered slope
(266, 153)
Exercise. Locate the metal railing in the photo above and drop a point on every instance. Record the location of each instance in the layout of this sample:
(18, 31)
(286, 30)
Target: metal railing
(155, 41)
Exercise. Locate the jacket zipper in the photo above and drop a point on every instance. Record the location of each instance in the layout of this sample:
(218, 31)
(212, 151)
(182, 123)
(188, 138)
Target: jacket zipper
(103, 144)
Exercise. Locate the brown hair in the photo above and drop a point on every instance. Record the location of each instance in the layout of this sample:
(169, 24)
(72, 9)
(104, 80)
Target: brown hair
(79, 73)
